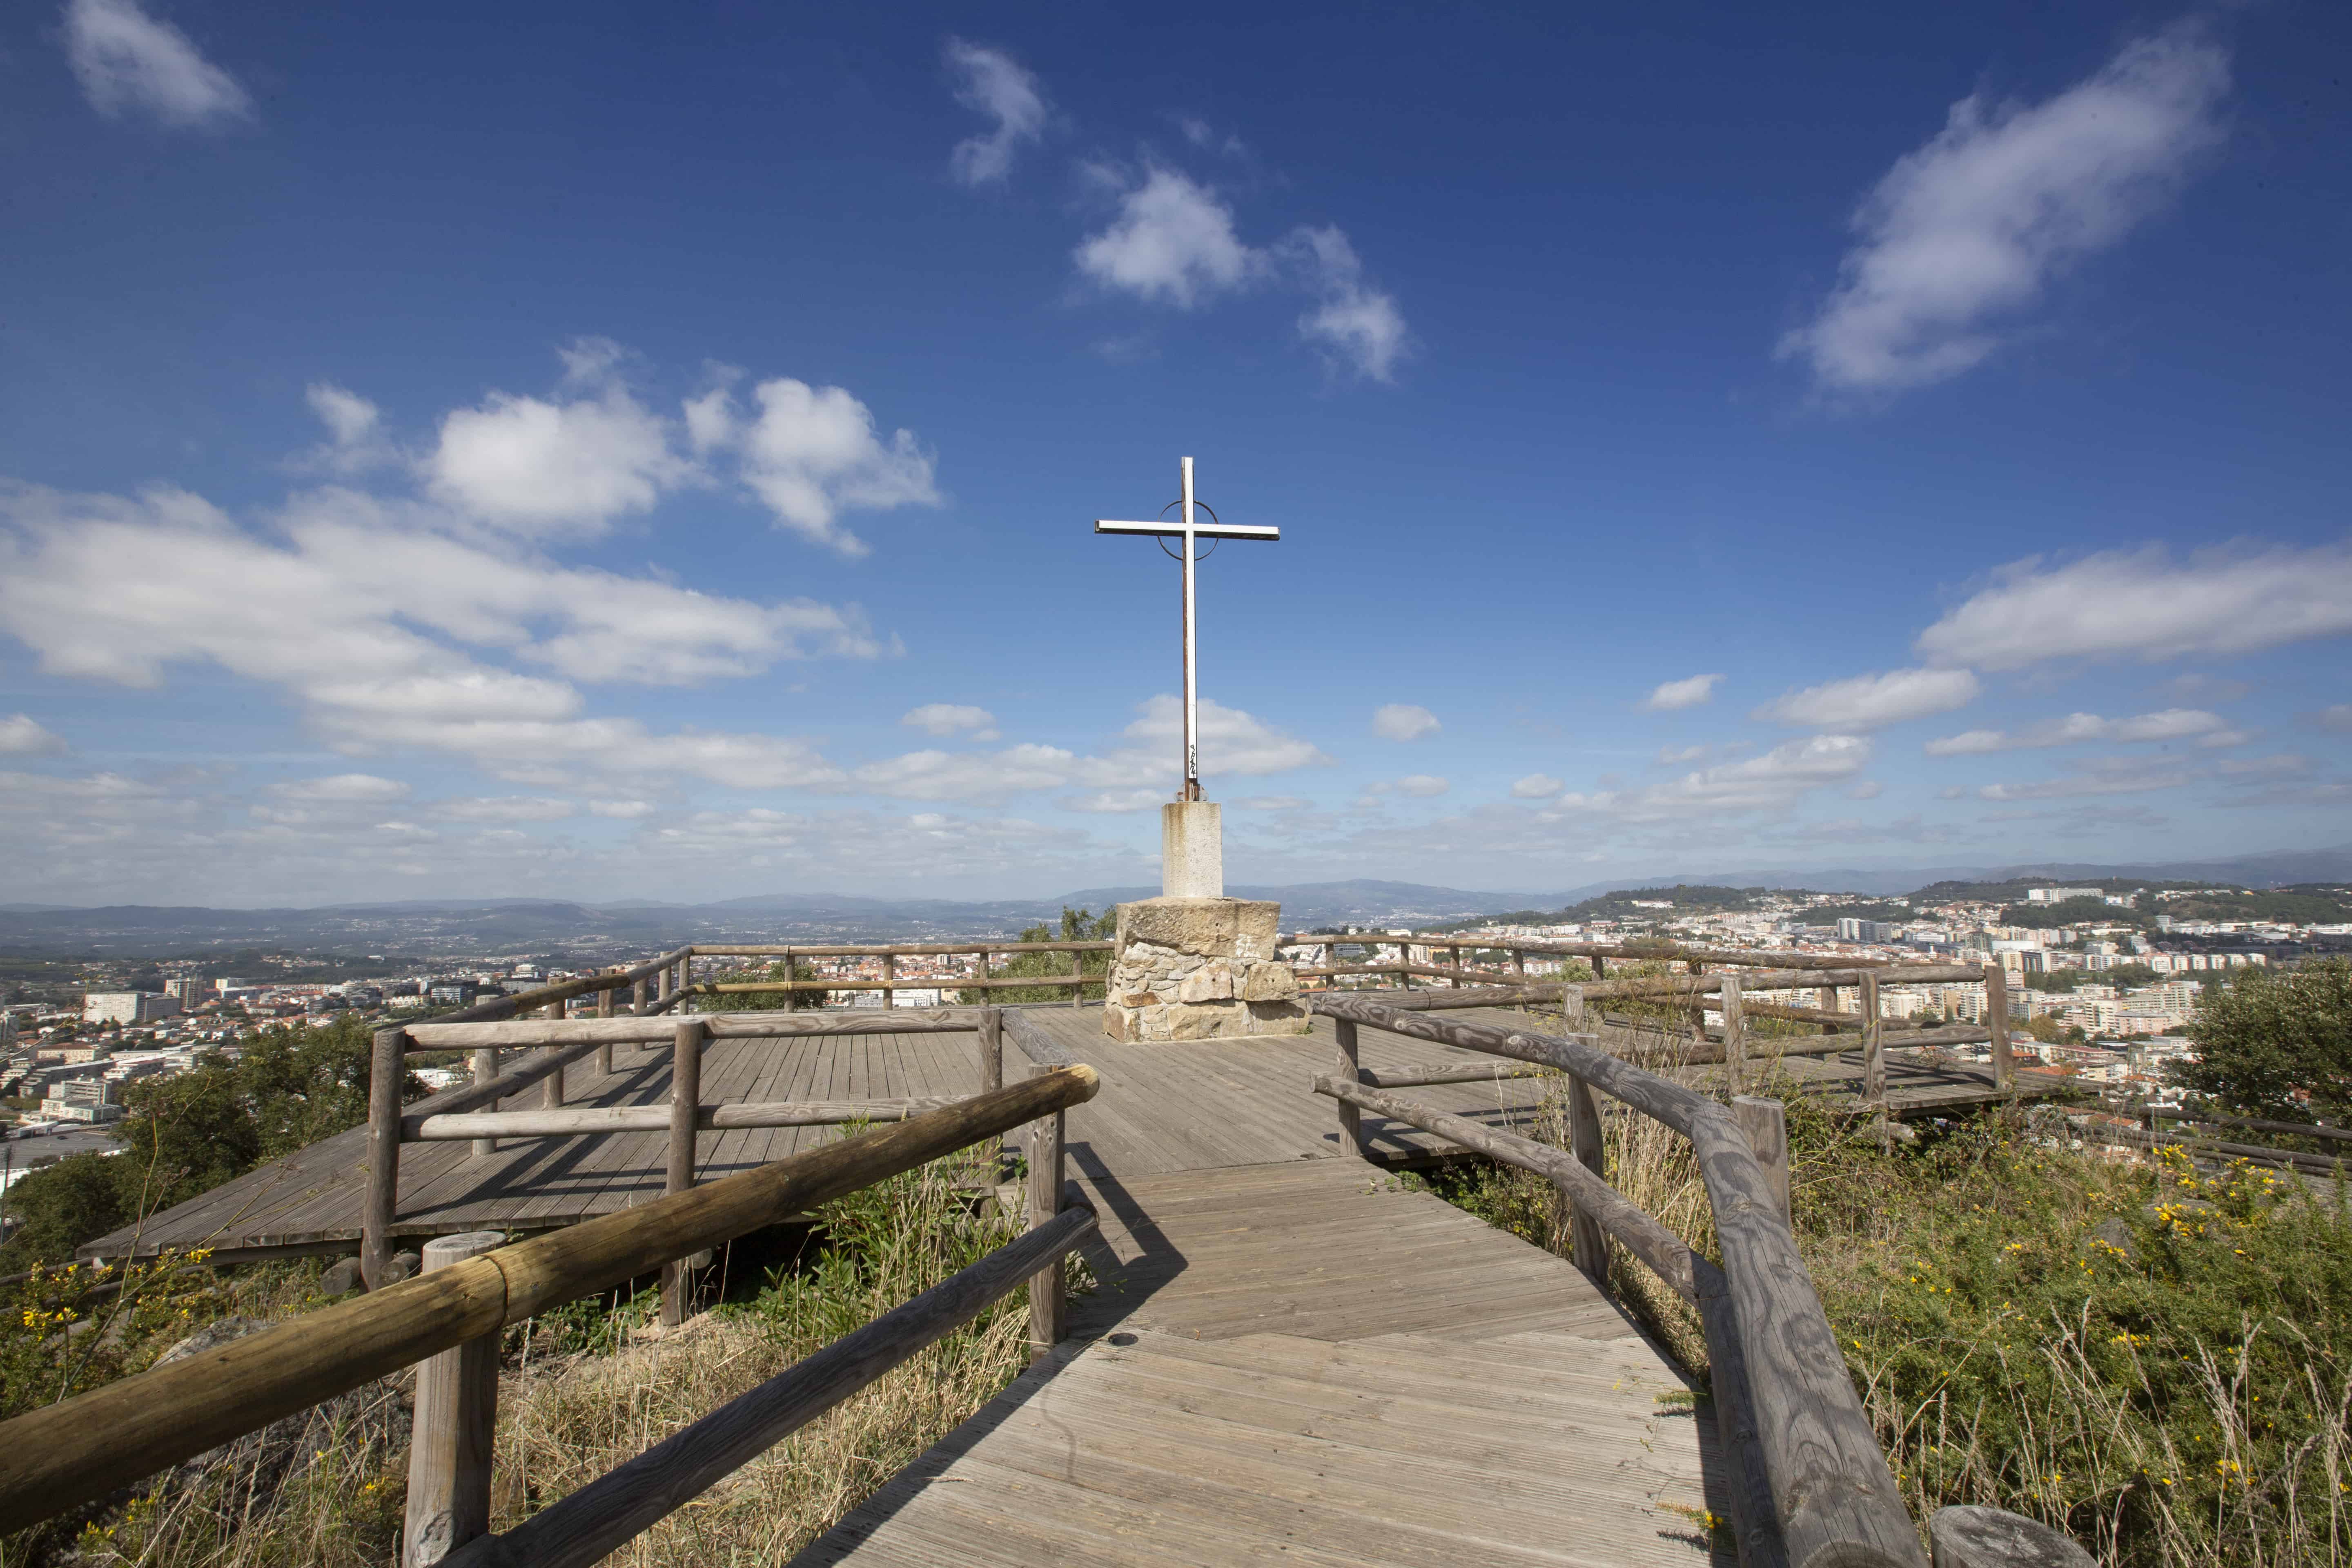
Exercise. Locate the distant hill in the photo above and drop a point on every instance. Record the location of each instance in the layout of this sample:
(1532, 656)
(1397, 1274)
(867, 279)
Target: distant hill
(422, 928)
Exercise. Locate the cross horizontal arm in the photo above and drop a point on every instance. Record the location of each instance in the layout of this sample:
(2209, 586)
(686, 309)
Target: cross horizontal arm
(1205, 530)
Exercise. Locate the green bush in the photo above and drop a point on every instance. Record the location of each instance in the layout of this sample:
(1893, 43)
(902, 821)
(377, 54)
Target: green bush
(1077, 925)
(2266, 1037)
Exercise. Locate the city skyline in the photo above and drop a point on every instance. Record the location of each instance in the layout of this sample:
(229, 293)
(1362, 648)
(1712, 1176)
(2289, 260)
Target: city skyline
(659, 463)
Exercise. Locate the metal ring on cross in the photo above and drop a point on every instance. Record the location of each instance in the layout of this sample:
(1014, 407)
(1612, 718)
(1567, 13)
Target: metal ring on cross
(1204, 506)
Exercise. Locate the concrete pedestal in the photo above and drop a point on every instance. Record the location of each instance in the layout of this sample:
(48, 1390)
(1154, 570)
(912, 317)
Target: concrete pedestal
(1192, 850)
(1200, 969)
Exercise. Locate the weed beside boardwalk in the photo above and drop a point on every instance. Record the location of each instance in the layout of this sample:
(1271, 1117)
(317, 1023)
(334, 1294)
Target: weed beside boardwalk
(2156, 1361)
(586, 1388)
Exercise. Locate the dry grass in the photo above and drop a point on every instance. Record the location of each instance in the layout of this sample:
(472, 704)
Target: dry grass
(563, 1426)
(2182, 1398)
(589, 1387)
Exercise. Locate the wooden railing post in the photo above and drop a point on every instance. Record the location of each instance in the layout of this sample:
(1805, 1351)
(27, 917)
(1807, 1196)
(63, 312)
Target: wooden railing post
(1351, 1129)
(1453, 961)
(387, 1072)
(1047, 1305)
(1079, 978)
(1588, 1243)
(1765, 1124)
(551, 1096)
(485, 1068)
(456, 1416)
(639, 994)
(1735, 1034)
(1874, 1050)
(605, 1010)
(991, 1048)
(685, 1102)
(889, 979)
(2004, 1065)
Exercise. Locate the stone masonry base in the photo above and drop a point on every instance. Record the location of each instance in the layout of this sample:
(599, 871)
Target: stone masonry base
(1200, 969)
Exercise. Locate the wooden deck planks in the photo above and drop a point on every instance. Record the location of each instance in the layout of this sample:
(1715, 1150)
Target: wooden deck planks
(1268, 1373)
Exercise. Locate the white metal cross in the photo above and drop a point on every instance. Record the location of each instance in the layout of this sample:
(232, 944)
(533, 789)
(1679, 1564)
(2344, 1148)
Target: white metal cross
(1189, 530)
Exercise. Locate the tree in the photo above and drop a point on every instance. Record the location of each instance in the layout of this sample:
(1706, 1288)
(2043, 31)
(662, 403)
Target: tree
(1077, 925)
(764, 1001)
(2263, 1035)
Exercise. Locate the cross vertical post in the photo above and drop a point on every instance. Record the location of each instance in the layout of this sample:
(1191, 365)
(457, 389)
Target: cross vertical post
(1188, 530)
(1192, 717)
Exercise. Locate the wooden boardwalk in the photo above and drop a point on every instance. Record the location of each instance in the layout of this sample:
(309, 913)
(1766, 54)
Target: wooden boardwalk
(1305, 1362)
(1208, 1104)
(1205, 1105)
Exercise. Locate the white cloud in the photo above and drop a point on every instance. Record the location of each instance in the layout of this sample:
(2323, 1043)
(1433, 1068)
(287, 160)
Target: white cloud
(2171, 724)
(1357, 326)
(2143, 604)
(1403, 721)
(995, 84)
(1271, 802)
(2192, 687)
(127, 59)
(1775, 780)
(1676, 694)
(1873, 701)
(952, 717)
(2277, 765)
(1422, 786)
(2338, 718)
(626, 810)
(506, 809)
(1868, 789)
(2096, 776)
(1116, 802)
(118, 589)
(545, 469)
(353, 431)
(1972, 226)
(22, 736)
(342, 789)
(1231, 742)
(945, 775)
(1171, 243)
(811, 453)
(1674, 756)
(1536, 786)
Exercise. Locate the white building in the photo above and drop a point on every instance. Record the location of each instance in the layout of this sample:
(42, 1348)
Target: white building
(127, 1006)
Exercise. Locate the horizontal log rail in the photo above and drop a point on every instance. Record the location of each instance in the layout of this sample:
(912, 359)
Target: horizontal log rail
(608, 1512)
(2108, 1131)
(1834, 1496)
(580, 1120)
(1420, 1077)
(759, 1025)
(2251, 1124)
(1666, 1255)
(1560, 947)
(79, 1449)
(903, 982)
(897, 950)
(1030, 1038)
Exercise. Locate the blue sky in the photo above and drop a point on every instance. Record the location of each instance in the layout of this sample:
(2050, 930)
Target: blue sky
(650, 452)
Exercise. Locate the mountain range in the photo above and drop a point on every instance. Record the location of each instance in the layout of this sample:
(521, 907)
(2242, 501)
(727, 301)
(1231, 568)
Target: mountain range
(452, 927)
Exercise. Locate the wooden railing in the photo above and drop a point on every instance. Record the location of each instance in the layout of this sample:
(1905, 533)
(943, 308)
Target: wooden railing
(891, 982)
(470, 1112)
(449, 1318)
(1809, 1484)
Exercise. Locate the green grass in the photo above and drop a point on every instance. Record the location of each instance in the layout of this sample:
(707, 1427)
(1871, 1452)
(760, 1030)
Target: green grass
(2156, 1359)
